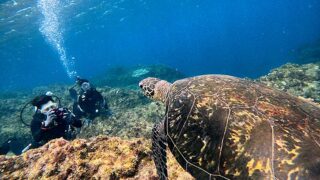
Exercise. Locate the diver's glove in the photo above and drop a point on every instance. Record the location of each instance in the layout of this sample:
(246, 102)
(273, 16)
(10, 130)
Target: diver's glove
(50, 117)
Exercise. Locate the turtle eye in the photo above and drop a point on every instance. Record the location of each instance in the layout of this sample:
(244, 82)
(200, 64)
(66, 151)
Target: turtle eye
(141, 86)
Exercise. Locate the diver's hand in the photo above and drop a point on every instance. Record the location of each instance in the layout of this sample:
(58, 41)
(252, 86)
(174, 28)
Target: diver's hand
(50, 117)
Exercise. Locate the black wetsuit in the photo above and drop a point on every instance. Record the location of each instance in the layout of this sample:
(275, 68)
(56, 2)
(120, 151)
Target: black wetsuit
(89, 104)
(61, 128)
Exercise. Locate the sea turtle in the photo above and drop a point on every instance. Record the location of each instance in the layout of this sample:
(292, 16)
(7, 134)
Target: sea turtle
(223, 127)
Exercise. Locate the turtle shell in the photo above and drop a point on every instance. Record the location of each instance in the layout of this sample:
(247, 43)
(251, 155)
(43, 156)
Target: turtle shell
(225, 127)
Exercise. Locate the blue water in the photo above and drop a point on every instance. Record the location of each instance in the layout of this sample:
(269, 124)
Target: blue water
(49, 41)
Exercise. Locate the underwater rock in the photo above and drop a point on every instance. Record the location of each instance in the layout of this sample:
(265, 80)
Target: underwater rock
(130, 76)
(299, 80)
(132, 115)
(128, 123)
(98, 158)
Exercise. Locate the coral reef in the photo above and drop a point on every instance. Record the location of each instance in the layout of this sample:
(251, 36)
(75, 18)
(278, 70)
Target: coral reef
(299, 80)
(130, 76)
(133, 115)
(98, 158)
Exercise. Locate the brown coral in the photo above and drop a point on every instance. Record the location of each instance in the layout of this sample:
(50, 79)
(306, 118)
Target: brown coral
(97, 158)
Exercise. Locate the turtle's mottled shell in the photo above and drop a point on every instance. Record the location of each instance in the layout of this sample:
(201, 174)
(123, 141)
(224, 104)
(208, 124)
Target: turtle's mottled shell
(222, 126)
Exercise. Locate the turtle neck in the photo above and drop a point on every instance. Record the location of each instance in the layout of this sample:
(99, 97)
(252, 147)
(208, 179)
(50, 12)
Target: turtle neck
(161, 89)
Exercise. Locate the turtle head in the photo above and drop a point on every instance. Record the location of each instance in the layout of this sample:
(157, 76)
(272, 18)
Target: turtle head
(155, 88)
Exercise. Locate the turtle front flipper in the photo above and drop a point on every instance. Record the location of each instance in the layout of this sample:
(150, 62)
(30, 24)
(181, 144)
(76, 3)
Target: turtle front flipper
(159, 145)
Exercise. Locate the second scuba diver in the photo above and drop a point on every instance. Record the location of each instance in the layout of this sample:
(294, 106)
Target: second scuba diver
(88, 102)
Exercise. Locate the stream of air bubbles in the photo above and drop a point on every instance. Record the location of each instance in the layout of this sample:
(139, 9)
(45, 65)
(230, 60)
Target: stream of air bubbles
(51, 29)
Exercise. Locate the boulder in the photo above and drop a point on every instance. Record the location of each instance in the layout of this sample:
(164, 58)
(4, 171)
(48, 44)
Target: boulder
(100, 157)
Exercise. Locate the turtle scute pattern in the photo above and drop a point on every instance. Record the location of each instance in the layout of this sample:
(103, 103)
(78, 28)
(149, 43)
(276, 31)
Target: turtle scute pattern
(222, 127)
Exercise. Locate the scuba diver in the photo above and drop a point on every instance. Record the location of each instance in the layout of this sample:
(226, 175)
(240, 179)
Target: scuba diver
(88, 103)
(50, 121)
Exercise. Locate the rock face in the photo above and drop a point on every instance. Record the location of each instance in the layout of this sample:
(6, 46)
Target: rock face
(299, 80)
(97, 158)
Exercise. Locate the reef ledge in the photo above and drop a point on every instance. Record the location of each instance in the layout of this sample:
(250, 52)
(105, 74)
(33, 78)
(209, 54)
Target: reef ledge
(99, 157)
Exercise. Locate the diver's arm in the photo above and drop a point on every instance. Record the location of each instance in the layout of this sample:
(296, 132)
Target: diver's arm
(37, 128)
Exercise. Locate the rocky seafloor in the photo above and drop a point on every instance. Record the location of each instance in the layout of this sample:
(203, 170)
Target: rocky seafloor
(131, 116)
(96, 158)
(299, 80)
